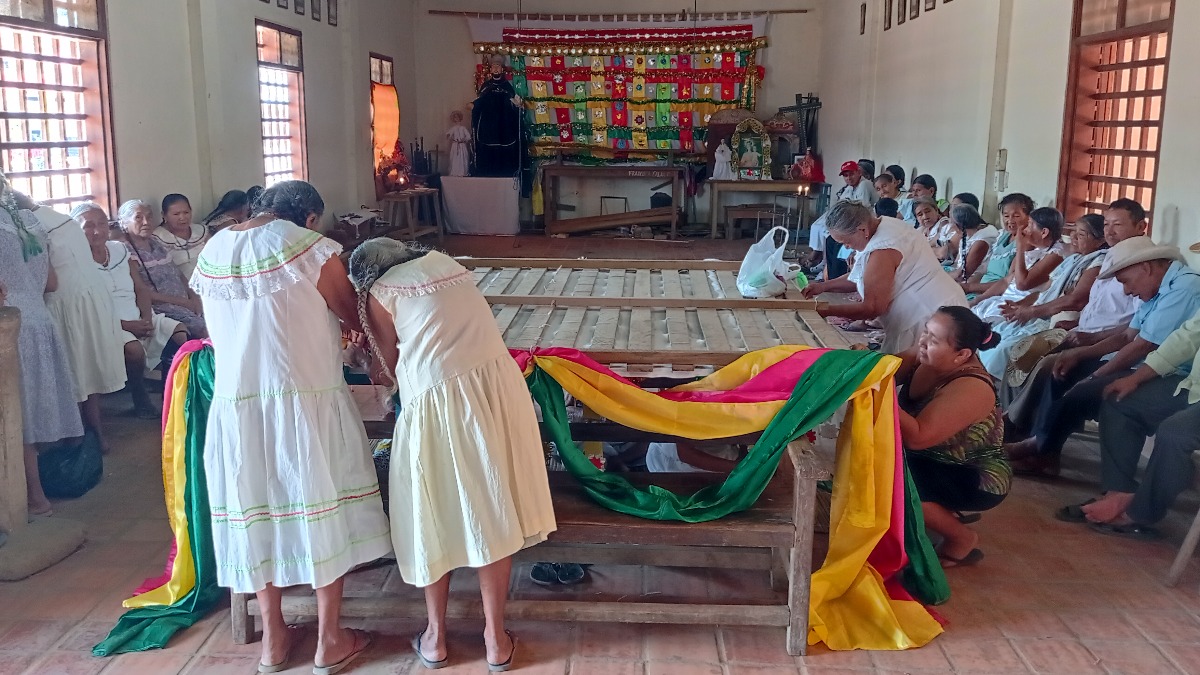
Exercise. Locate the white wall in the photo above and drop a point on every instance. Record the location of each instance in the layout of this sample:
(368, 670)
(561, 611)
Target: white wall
(185, 95)
(945, 91)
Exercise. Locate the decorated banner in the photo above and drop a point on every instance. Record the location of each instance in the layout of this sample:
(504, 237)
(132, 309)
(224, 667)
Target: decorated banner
(879, 557)
(627, 92)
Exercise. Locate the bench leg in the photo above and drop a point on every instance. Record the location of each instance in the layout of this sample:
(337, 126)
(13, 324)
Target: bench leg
(243, 623)
(800, 572)
(779, 568)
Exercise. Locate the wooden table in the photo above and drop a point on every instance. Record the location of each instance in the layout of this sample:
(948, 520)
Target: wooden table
(552, 173)
(406, 206)
(718, 188)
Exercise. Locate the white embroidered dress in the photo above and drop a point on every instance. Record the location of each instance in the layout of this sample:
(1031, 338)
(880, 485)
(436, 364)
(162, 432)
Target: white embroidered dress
(292, 487)
(184, 252)
(468, 483)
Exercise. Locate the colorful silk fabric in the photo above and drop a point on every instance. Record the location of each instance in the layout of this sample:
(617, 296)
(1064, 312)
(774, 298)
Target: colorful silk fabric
(188, 590)
(858, 600)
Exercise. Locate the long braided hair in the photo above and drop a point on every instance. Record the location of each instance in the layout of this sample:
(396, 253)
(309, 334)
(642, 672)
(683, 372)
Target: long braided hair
(370, 261)
(30, 245)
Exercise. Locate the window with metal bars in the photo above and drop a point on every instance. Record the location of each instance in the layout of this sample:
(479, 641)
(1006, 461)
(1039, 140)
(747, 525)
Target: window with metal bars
(1113, 121)
(54, 123)
(381, 69)
(281, 102)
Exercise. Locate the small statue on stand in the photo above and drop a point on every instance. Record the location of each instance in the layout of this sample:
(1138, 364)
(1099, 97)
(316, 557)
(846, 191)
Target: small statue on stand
(723, 162)
(808, 168)
(460, 145)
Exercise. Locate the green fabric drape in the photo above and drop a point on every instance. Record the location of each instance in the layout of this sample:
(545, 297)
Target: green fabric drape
(152, 627)
(923, 576)
(821, 390)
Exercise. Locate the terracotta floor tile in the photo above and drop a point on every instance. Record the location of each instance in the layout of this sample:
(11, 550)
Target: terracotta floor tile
(220, 643)
(224, 665)
(747, 669)
(1066, 657)
(929, 657)
(581, 666)
(1130, 658)
(150, 530)
(1110, 625)
(984, 656)
(753, 644)
(1177, 626)
(681, 643)
(191, 639)
(15, 663)
(1033, 623)
(820, 656)
(675, 668)
(69, 663)
(84, 635)
(1185, 657)
(609, 640)
(147, 663)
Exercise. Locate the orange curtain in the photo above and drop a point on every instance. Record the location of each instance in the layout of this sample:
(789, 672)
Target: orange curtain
(385, 124)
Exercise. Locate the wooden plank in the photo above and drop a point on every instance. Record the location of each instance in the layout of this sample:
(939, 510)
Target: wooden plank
(701, 287)
(602, 263)
(672, 284)
(715, 337)
(499, 284)
(826, 335)
(654, 303)
(729, 557)
(396, 607)
(728, 283)
(557, 282)
(787, 327)
(750, 330)
(769, 336)
(591, 223)
(568, 331)
(587, 282)
(526, 281)
(641, 328)
(504, 319)
(605, 335)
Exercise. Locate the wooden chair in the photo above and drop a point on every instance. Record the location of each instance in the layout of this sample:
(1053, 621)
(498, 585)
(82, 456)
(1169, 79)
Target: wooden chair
(1188, 548)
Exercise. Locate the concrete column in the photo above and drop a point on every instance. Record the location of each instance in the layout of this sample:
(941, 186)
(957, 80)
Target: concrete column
(13, 507)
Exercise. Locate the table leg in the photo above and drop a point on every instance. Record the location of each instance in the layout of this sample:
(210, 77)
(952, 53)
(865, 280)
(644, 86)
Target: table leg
(714, 202)
(437, 216)
(411, 214)
(800, 572)
(240, 619)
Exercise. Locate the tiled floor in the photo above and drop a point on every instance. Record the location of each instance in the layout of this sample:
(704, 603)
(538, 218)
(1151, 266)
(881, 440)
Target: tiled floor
(1049, 598)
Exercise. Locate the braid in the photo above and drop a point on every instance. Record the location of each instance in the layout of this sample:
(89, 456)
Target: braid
(370, 276)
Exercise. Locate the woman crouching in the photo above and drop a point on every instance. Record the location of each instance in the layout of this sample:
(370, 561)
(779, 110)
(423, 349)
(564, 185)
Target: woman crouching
(468, 477)
(952, 430)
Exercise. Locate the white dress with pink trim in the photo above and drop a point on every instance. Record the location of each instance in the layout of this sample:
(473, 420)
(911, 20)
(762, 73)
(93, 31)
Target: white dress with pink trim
(468, 475)
(292, 488)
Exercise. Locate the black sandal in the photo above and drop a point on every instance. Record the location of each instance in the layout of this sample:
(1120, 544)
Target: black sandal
(1127, 530)
(1074, 513)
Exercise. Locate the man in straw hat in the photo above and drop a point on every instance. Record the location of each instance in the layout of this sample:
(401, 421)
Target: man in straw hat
(1170, 293)
(1151, 401)
(1029, 385)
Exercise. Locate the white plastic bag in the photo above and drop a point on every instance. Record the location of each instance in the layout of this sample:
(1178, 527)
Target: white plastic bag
(763, 272)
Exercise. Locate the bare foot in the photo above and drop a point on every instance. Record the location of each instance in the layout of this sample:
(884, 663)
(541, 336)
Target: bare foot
(500, 648)
(957, 549)
(1108, 508)
(40, 508)
(1021, 449)
(348, 641)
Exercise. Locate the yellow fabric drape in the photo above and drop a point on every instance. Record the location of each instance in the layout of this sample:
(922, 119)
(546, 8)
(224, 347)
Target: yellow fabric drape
(183, 571)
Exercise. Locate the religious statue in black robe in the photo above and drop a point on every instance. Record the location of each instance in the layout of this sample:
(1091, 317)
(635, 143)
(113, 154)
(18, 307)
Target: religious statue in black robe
(497, 126)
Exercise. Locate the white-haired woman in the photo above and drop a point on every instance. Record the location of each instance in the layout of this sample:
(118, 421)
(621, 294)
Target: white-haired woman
(151, 259)
(147, 338)
(48, 410)
(898, 277)
(293, 491)
(468, 478)
(83, 312)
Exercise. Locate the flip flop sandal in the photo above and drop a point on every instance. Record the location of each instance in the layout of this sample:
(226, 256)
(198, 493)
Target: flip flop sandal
(1129, 530)
(297, 633)
(968, 518)
(504, 667)
(1074, 513)
(360, 647)
(432, 665)
(544, 574)
(570, 574)
(967, 560)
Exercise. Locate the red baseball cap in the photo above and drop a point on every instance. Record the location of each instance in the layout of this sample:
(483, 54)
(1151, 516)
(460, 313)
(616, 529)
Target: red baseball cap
(847, 167)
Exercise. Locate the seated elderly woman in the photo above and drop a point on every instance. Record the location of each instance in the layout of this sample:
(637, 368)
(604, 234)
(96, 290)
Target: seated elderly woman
(233, 208)
(1070, 286)
(895, 273)
(1039, 252)
(149, 338)
(151, 259)
(1014, 217)
(952, 430)
(468, 477)
(975, 240)
(183, 238)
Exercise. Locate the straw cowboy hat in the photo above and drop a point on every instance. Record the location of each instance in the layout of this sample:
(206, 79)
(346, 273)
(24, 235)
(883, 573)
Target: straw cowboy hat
(1026, 353)
(1195, 247)
(1137, 250)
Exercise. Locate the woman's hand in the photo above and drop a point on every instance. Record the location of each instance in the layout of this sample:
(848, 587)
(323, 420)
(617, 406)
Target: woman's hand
(139, 328)
(813, 289)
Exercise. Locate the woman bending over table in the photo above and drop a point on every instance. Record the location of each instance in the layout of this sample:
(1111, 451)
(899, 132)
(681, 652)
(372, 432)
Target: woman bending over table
(293, 491)
(468, 478)
(151, 259)
(951, 429)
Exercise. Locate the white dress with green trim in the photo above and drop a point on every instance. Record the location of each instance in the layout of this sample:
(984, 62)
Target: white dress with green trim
(292, 487)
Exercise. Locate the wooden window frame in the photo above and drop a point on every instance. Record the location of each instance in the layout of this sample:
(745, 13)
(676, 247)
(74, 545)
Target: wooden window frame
(1073, 125)
(101, 167)
(296, 104)
(372, 56)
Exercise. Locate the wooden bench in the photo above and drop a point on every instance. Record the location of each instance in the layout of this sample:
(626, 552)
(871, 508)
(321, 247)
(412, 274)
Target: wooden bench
(774, 535)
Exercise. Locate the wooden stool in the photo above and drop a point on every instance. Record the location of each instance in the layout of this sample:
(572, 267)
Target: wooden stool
(406, 206)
